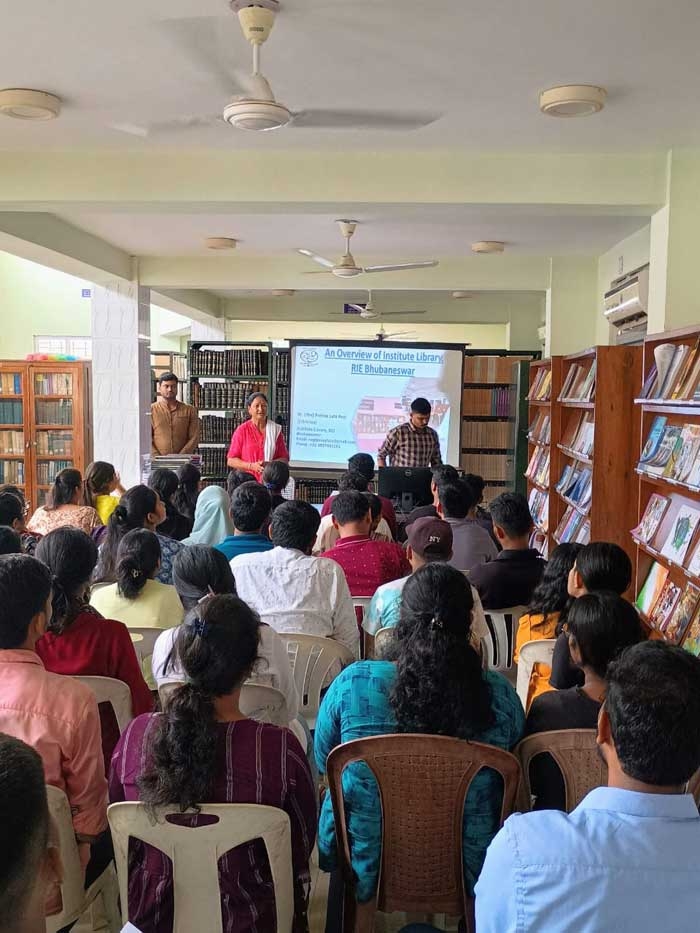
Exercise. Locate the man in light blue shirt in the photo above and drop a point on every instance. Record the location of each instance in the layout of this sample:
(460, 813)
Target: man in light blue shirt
(627, 859)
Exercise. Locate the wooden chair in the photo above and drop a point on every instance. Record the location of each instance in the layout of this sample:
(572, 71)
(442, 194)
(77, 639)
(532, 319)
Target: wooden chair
(313, 659)
(112, 691)
(75, 899)
(259, 701)
(532, 652)
(576, 754)
(502, 625)
(423, 781)
(194, 853)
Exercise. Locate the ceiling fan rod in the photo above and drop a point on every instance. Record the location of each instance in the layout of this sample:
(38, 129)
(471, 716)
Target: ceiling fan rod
(256, 58)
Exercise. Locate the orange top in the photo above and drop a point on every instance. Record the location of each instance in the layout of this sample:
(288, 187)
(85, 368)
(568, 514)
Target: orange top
(534, 626)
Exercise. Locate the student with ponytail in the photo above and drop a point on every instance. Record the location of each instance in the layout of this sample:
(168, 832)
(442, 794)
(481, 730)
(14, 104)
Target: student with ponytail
(433, 683)
(64, 507)
(202, 749)
(101, 481)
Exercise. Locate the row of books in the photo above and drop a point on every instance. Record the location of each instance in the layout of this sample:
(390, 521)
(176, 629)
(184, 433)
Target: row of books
(539, 508)
(541, 388)
(670, 608)
(540, 431)
(11, 412)
(538, 467)
(672, 451)
(12, 471)
(12, 442)
(579, 433)
(315, 491)
(579, 385)
(54, 443)
(57, 412)
(229, 362)
(489, 368)
(224, 395)
(282, 366)
(573, 527)
(48, 470)
(576, 484)
(213, 461)
(214, 430)
(53, 384)
(490, 466)
(10, 383)
(282, 400)
(675, 373)
(675, 546)
(487, 434)
(495, 402)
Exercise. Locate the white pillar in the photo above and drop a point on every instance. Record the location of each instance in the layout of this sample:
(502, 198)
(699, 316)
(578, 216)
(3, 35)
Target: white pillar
(121, 374)
(572, 304)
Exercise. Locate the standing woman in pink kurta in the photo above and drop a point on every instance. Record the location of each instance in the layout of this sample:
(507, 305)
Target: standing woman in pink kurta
(256, 441)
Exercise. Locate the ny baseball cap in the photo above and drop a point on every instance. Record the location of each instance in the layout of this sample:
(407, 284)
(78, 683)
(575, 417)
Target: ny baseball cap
(430, 537)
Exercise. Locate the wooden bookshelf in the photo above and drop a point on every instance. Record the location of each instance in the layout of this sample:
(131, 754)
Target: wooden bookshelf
(540, 497)
(677, 412)
(46, 425)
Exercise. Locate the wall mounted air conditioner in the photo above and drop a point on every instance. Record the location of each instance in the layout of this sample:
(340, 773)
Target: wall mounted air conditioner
(625, 305)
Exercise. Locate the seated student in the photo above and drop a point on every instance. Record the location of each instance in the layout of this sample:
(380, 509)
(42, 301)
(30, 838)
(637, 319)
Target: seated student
(13, 510)
(628, 857)
(78, 640)
(367, 564)
(509, 579)
(441, 474)
(202, 749)
(212, 521)
(599, 626)
(101, 481)
(187, 492)
(250, 511)
(236, 478)
(166, 484)
(481, 515)
(56, 715)
(30, 866)
(63, 506)
(328, 533)
(364, 463)
(435, 686)
(549, 600)
(10, 541)
(198, 571)
(471, 544)
(275, 478)
(291, 590)
(599, 566)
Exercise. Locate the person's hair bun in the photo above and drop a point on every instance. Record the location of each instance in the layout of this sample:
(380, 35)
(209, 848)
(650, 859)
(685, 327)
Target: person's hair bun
(120, 515)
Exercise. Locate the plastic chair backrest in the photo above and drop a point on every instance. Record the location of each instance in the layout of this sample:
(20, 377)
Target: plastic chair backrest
(313, 658)
(502, 624)
(362, 603)
(422, 819)
(72, 885)
(576, 754)
(195, 852)
(259, 701)
(144, 640)
(383, 639)
(112, 691)
(539, 650)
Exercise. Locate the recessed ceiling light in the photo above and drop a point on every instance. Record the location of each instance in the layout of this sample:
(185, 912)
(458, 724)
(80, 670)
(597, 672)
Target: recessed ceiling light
(462, 294)
(221, 242)
(283, 292)
(488, 246)
(25, 104)
(573, 100)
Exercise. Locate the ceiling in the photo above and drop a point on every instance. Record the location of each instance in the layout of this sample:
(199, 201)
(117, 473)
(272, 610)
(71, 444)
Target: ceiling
(479, 65)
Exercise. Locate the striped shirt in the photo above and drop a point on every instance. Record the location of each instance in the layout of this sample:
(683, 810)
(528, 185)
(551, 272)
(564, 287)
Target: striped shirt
(406, 446)
(255, 763)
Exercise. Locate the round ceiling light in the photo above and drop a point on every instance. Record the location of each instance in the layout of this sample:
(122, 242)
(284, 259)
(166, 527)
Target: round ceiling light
(573, 100)
(221, 242)
(25, 104)
(488, 246)
(257, 115)
(283, 292)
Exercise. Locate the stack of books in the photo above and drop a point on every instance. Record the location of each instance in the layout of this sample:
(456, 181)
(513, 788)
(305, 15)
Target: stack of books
(540, 431)
(539, 508)
(574, 526)
(671, 608)
(672, 451)
(229, 362)
(12, 442)
(492, 402)
(490, 435)
(676, 373)
(579, 385)
(282, 366)
(541, 388)
(576, 485)
(538, 467)
(10, 384)
(489, 368)
(680, 527)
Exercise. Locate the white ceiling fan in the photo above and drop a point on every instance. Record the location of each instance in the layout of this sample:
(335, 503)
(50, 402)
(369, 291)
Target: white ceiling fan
(254, 106)
(368, 311)
(346, 267)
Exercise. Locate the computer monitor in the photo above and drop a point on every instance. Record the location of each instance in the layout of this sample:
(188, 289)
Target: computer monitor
(407, 487)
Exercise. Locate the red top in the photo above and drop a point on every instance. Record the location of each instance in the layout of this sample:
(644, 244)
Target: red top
(103, 648)
(248, 443)
(388, 513)
(369, 564)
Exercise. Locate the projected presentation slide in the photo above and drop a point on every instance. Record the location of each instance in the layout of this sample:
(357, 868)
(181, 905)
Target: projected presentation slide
(345, 398)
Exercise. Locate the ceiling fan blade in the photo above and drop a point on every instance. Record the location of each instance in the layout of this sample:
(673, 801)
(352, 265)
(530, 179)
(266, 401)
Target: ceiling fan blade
(359, 308)
(387, 120)
(389, 313)
(402, 265)
(319, 272)
(207, 42)
(188, 122)
(321, 260)
(399, 333)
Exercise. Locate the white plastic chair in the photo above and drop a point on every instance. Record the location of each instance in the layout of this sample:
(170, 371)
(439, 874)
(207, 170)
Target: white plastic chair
(144, 640)
(531, 652)
(75, 899)
(195, 852)
(499, 647)
(313, 658)
(259, 701)
(112, 691)
(362, 602)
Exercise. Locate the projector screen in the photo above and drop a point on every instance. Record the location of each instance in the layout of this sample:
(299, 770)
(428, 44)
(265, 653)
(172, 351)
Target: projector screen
(346, 397)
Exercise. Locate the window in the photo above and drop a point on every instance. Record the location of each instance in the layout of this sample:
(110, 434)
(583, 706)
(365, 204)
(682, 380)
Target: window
(80, 347)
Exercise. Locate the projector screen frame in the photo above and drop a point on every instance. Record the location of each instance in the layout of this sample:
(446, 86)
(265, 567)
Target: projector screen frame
(373, 344)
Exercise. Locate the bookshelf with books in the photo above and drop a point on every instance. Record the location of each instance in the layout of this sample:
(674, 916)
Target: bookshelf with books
(592, 493)
(666, 534)
(281, 388)
(45, 423)
(543, 427)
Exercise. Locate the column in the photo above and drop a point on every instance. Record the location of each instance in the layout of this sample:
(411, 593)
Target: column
(214, 330)
(572, 304)
(121, 374)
